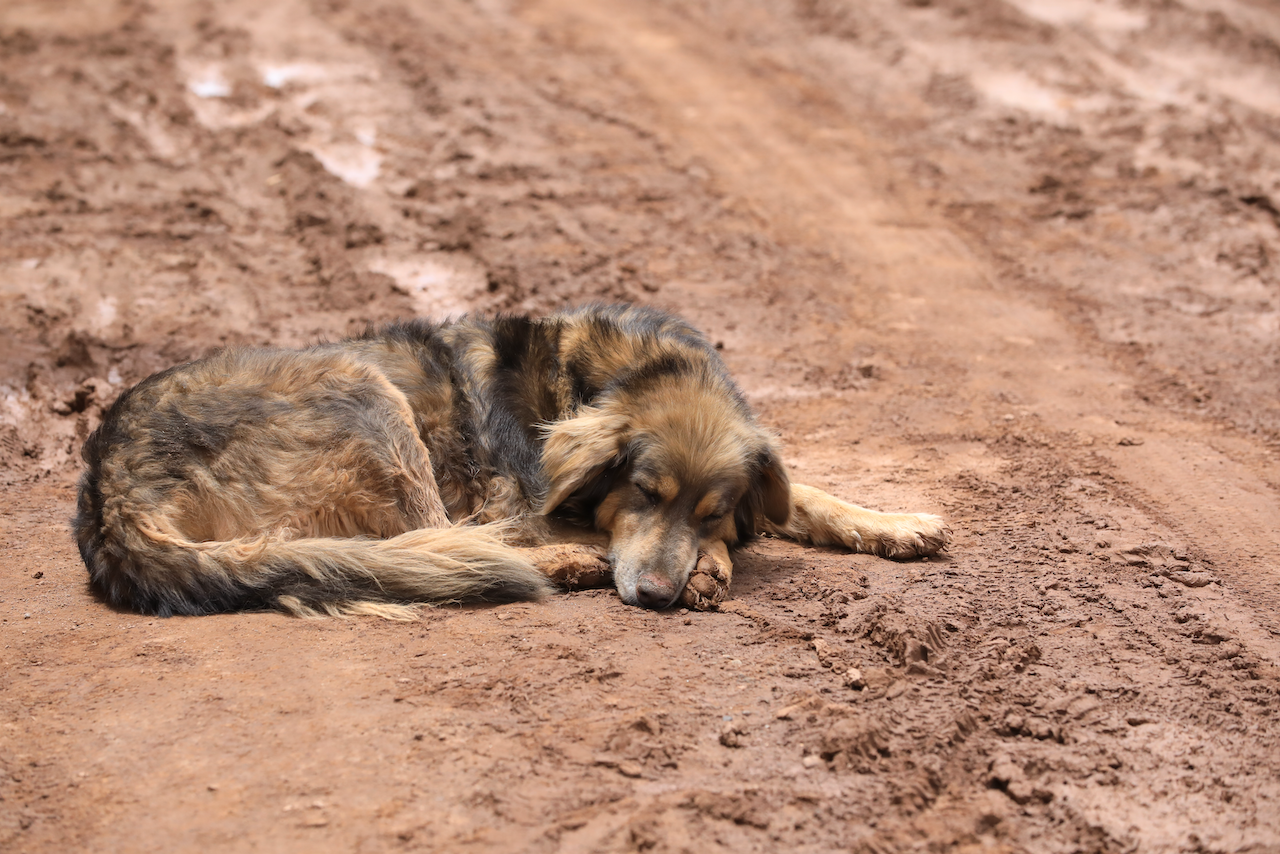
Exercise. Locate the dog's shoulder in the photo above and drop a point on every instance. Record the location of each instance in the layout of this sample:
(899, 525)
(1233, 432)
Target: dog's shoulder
(607, 349)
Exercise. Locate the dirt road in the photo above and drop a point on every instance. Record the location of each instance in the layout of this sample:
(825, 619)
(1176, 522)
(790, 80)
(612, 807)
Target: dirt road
(1010, 261)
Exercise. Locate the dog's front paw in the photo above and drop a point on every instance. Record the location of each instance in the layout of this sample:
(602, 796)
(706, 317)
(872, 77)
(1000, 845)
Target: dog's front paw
(910, 535)
(572, 566)
(708, 585)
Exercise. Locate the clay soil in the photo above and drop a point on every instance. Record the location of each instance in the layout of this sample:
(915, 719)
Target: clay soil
(1016, 262)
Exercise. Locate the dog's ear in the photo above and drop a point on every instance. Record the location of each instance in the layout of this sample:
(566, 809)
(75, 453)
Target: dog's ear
(578, 450)
(775, 488)
(769, 495)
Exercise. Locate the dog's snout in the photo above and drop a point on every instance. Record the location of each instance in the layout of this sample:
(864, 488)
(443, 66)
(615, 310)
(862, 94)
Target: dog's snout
(655, 592)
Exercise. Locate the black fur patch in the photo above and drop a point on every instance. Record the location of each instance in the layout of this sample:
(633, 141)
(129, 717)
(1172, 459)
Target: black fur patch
(580, 507)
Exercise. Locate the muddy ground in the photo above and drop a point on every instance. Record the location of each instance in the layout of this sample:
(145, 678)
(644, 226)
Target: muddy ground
(1016, 262)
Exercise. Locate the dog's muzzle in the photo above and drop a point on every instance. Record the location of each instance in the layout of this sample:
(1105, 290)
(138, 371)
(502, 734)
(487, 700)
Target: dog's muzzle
(655, 591)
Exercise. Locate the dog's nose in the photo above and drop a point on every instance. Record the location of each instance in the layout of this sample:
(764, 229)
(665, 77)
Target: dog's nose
(655, 592)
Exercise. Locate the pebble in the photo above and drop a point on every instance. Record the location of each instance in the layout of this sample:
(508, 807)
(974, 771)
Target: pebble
(731, 736)
(813, 760)
(854, 679)
(630, 769)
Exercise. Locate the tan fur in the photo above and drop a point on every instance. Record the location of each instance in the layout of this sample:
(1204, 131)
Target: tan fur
(821, 520)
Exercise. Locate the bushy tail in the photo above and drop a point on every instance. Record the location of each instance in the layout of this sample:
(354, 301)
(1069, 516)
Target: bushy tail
(459, 564)
(143, 567)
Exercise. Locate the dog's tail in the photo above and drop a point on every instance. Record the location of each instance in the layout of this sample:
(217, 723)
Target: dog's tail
(151, 568)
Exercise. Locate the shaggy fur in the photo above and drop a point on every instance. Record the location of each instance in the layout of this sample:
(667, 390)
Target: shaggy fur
(337, 479)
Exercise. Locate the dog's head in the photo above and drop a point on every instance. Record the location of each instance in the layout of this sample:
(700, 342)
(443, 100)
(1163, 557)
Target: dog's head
(663, 472)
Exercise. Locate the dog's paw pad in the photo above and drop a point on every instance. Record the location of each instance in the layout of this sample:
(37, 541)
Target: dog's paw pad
(707, 587)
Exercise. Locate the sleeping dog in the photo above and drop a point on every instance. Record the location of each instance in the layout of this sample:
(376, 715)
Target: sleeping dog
(475, 459)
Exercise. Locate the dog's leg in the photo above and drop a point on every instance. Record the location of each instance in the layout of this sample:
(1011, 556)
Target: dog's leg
(574, 558)
(408, 457)
(398, 492)
(823, 520)
(709, 583)
(322, 472)
(571, 565)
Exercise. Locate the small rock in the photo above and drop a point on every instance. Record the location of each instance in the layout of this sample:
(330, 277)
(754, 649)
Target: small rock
(813, 760)
(39, 574)
(731, 736)
(630, 769)
(854, 679)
